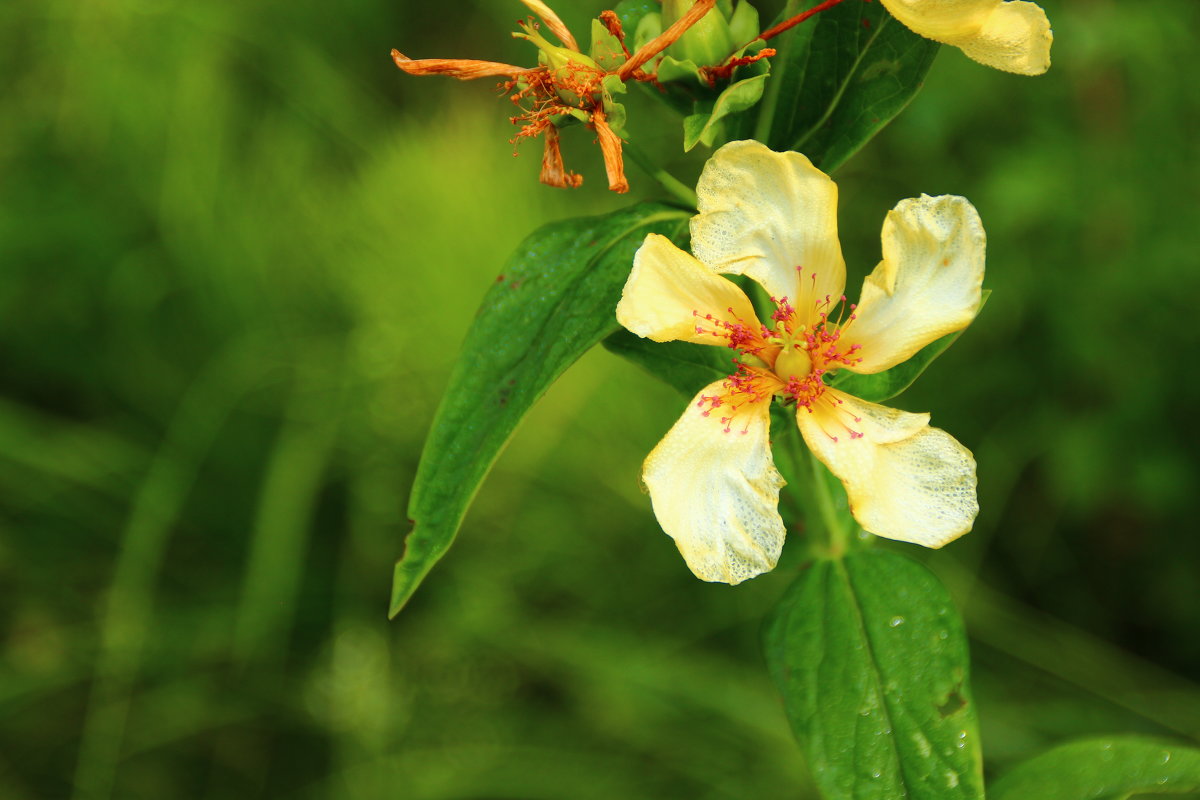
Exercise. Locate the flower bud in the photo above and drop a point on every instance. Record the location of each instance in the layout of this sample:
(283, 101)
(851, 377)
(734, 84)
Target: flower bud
(556, 57)
(707, 43)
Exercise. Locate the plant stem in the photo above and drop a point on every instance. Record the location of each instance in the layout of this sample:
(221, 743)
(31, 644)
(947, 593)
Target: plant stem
(838, 535)
(796, 20)
(675, 187)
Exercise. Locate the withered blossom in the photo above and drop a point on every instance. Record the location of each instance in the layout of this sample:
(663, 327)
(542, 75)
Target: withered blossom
(567, 84)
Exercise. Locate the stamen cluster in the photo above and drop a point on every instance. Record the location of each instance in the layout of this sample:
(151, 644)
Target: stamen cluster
(788, 360)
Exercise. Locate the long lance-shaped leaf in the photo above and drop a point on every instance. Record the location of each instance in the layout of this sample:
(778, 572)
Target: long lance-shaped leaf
(554, 301)
(870, 656)
(1103, 768)
(687, 367)
(838, 79)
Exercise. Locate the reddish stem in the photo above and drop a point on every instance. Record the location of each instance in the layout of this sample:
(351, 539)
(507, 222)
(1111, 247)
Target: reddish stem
(796, 20)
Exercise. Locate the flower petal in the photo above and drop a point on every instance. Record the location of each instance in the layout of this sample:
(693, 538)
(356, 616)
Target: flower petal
(670, 295)
(771, 216)
(942, 20)
(465, 69)
(1015, 38)
(905, 480)
(715, 489)
(928, 284)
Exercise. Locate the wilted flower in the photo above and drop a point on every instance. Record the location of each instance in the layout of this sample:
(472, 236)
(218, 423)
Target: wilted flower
(772, 217)
(568, 86)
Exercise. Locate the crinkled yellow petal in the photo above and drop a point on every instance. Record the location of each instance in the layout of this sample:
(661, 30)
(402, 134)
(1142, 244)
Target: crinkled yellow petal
(1012, 35)
(669, 294)
(904, 479)
(927, 285)
(716, 493)
(1015, 38)
(942, 20)
(771, 216)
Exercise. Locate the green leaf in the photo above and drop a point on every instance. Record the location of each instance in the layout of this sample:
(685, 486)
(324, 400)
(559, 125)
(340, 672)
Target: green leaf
(838, 78)
(1103, 768)
(686, 366)
(606, 49)
(885, 385)
(672, 69)
(631, 13)
(553, 302)
(871, 658)
(743, 23)
(736, 98)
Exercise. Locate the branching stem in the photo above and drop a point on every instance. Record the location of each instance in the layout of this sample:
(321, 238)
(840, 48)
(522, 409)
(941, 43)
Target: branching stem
(675, 187)
(796, 20)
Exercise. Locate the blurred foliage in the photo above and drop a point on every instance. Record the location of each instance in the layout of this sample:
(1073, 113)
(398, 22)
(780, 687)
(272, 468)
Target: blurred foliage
(239, 251)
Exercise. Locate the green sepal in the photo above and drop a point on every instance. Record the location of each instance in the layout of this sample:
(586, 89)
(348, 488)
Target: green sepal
(743, 23)
(1111, 767)
(871, 658)
(738, 97)
(671, 70)
(553, 302)
(612, 84)
(708, 42)
(606, 48)
(881, 386)
(576, 114)
(614, 111)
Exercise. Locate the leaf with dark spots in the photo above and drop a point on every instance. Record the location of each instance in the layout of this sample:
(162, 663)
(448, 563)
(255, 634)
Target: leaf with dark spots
(871, 659)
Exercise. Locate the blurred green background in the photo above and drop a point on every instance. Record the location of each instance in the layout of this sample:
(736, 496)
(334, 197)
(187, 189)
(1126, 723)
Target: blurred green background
(239, 250)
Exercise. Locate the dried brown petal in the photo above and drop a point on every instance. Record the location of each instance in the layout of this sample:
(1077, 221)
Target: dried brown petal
(610, 148)
(464, 69)
(553, 171)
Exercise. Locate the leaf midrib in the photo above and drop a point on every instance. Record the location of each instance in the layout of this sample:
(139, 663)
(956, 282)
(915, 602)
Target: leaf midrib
(837, 97)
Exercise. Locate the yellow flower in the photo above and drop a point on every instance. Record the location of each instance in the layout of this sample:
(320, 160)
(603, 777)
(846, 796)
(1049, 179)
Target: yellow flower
(1012, 35)
(773, 218)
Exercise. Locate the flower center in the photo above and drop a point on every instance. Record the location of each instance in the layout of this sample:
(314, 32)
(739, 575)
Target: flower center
(789, 360)
(810, 349)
